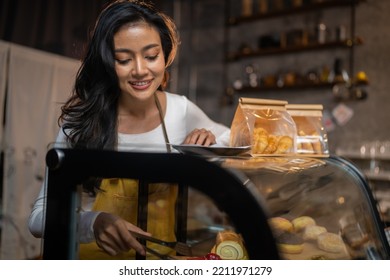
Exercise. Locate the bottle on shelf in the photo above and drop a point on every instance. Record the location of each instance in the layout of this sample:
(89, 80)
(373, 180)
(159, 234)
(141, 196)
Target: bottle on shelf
(338, 74)
(321, 33)
(263, 6)
(246, 8)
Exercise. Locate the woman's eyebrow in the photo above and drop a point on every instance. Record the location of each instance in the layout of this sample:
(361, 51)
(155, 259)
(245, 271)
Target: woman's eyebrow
(147, 47)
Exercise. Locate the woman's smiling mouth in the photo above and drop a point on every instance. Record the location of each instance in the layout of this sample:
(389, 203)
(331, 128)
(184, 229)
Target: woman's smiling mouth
(141, 84)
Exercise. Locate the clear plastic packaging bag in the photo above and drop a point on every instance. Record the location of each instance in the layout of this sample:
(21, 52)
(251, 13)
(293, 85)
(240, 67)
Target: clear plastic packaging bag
(265, 125)
(311, 135)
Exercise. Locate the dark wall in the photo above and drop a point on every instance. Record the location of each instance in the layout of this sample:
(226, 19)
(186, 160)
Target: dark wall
(57, 26)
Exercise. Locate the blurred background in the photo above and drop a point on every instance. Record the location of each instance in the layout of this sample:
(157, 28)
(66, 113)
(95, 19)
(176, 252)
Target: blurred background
(279, 49)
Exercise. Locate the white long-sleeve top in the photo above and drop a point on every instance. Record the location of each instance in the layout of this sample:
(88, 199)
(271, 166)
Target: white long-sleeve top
(182, 116)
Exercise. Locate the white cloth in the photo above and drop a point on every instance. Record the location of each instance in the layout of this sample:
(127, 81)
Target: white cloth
(182, 116)
(37, 84)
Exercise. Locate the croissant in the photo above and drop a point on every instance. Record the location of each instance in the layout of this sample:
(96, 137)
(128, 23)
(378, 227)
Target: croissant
(260, 140)
(272, 144)
(284, 144)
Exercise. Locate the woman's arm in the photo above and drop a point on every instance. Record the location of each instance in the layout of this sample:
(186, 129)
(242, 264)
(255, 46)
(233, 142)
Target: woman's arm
(200, 125)
(36, 221)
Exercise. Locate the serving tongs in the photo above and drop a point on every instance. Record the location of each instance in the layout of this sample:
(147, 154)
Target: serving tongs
(159, 255)
(180, 247)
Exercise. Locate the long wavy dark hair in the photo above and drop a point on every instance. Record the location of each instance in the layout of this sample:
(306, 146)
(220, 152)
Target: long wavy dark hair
(89, 117)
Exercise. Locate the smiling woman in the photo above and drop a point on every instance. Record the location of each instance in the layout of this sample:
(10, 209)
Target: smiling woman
(119, 99)
(140, 67)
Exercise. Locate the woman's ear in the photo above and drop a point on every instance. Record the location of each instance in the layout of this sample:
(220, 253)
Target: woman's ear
(165, 80)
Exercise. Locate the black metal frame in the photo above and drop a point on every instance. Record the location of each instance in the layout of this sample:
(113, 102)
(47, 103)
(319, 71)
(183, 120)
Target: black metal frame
(229, 189)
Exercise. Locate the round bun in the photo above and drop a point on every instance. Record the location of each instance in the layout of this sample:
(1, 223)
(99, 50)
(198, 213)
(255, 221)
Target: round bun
(301, 222)
(330, 242)
(279, 223)
(312, 232)
(289, 243)
(290, 248)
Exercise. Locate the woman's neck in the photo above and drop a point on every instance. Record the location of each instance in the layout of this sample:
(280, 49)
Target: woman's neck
(135, 116)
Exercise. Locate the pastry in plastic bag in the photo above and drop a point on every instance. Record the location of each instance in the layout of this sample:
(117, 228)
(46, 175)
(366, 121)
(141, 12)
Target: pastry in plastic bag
(264, 124)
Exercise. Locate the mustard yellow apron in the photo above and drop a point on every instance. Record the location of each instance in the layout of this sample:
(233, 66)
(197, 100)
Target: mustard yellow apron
(120, 197)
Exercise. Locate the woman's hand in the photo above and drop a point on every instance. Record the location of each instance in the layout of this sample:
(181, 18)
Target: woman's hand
(113, 236)
(200, 137)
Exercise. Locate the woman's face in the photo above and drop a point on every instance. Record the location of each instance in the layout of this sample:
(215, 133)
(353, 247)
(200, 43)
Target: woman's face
(139, 60)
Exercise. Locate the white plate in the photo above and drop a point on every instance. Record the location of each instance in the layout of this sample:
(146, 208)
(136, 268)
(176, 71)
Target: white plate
(211, 150)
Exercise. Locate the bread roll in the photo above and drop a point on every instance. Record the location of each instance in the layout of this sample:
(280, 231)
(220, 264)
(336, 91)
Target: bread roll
(330, 242)
(290, 243)
(279, 223)
(301, 222)
(312, 232)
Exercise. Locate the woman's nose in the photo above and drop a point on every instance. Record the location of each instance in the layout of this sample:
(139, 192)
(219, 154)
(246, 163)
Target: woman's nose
(139, 67)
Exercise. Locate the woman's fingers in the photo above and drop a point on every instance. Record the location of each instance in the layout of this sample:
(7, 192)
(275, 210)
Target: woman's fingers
(200, 137)
(113, 236)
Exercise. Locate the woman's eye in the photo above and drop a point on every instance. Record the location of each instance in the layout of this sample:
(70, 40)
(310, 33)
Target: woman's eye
(151, 57)
(123, 61)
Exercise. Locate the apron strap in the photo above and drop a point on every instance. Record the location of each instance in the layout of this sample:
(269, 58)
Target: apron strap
(162, 122)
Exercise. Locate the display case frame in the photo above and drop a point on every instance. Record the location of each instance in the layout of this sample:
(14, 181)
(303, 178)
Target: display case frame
(231, 188)
(68, 168)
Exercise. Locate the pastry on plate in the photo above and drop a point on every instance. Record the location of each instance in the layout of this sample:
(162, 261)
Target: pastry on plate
(301, 222)
(312, 232)
(289, 243)
(330, 242)
(280, 223)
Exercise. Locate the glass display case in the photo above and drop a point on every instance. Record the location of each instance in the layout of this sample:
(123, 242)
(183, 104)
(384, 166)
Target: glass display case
(235, 207)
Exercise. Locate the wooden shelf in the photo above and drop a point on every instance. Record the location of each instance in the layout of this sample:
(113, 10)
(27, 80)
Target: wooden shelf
(284, 47)
(293, 49)
(314, 86)
(291, 11)
(248, 89)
